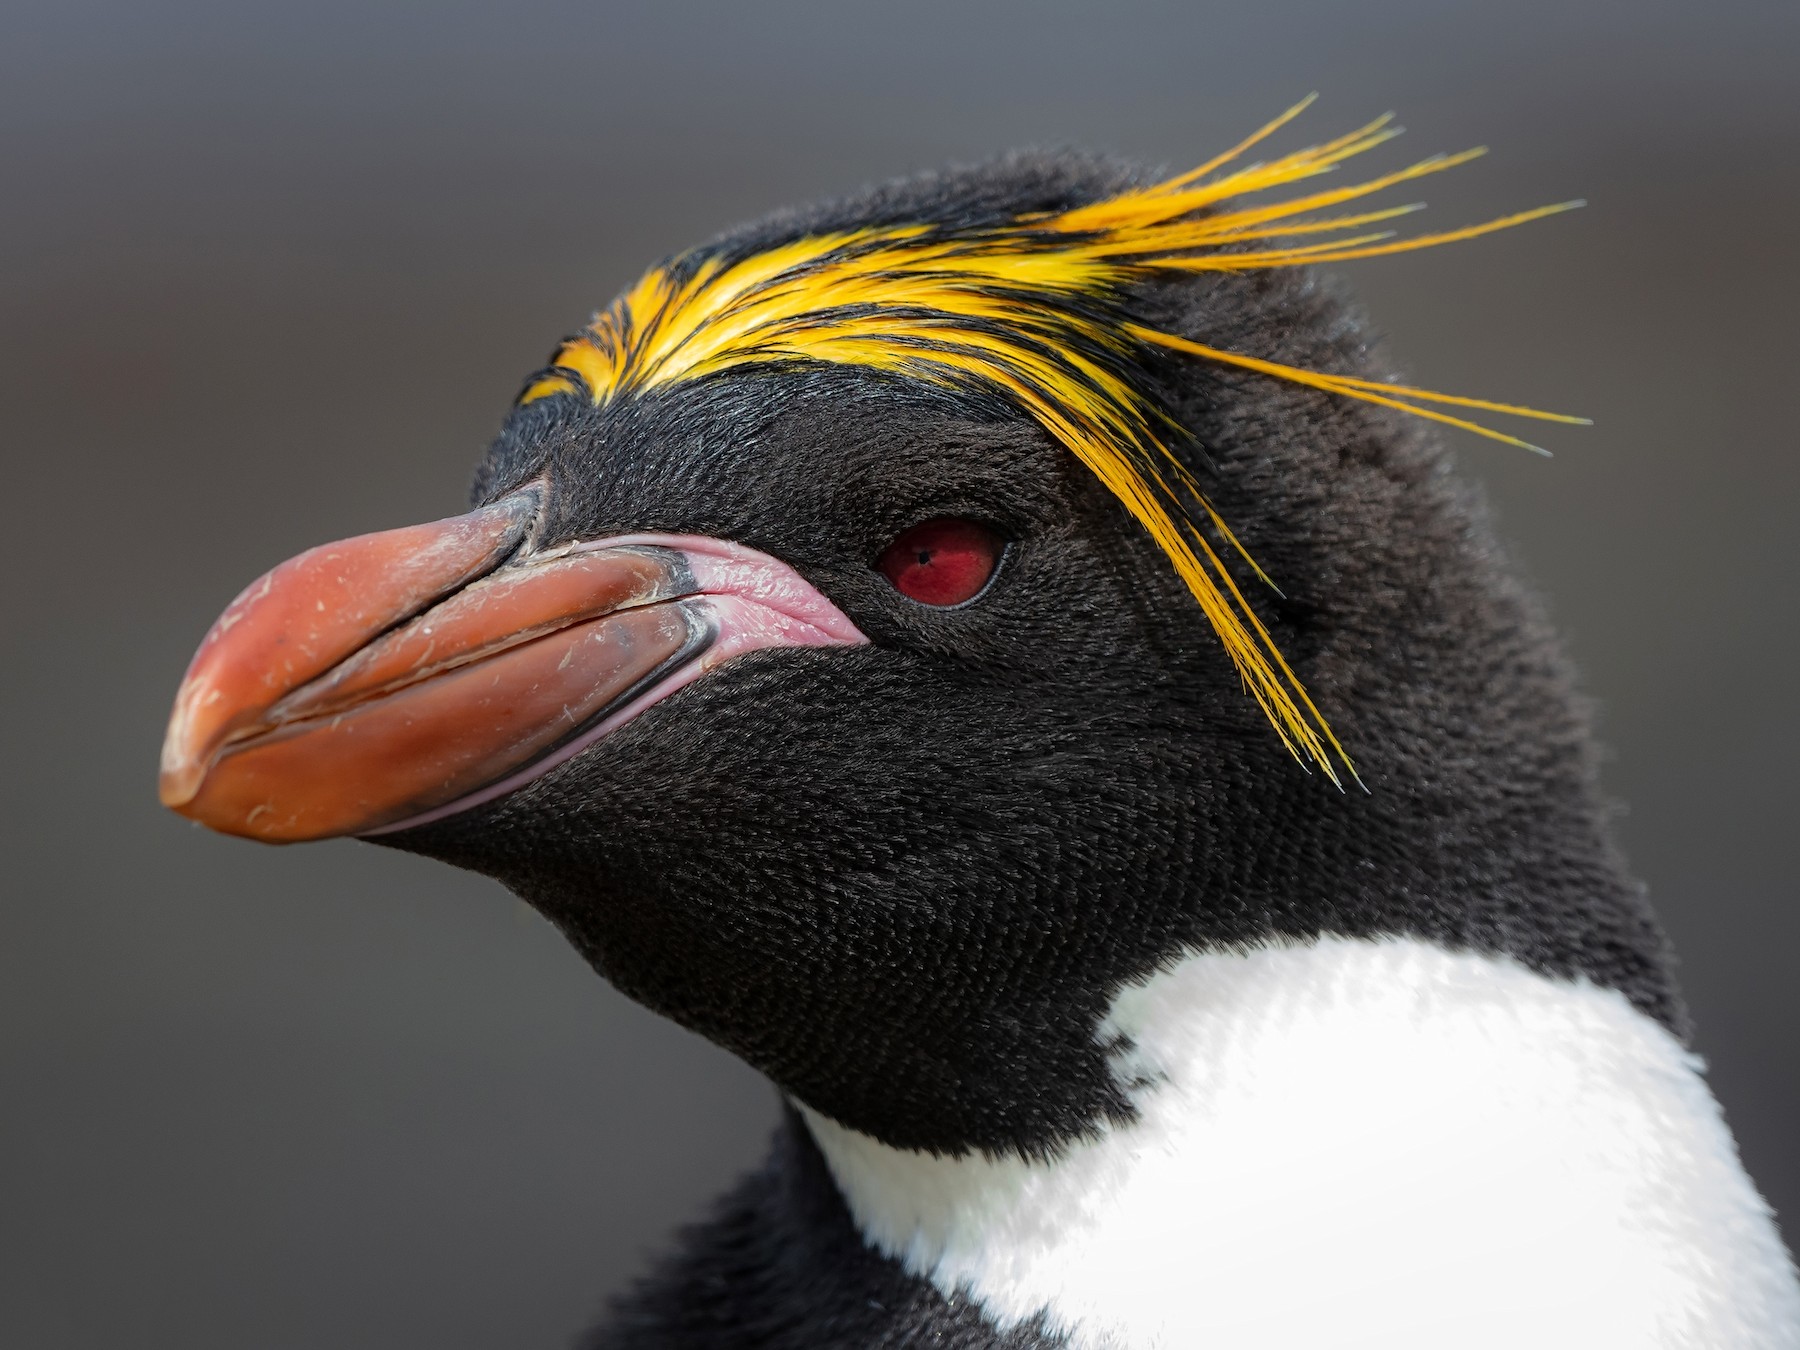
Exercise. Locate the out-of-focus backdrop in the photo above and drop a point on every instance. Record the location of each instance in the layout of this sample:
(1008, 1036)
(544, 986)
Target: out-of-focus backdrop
(271, 273)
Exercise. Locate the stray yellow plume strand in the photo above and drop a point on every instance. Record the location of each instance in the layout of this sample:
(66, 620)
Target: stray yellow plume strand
(1035, 308)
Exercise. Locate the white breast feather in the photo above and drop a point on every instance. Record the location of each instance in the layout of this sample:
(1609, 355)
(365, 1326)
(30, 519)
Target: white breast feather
(1356, 1143)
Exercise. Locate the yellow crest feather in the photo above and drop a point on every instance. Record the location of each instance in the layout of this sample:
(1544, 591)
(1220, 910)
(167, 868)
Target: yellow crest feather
(1028, 308)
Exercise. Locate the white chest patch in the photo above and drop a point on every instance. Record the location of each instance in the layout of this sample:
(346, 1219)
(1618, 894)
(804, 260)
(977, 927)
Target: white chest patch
(1355, 1143)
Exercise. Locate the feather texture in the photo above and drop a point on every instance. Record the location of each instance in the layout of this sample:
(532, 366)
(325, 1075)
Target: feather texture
(1037, 309)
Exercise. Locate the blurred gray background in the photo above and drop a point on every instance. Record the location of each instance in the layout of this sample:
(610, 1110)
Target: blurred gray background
(271, 274)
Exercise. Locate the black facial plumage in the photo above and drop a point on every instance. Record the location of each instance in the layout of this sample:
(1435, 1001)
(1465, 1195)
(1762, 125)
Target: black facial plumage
(905, 879)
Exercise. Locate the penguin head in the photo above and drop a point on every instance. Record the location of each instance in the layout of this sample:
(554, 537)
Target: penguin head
(862, 661)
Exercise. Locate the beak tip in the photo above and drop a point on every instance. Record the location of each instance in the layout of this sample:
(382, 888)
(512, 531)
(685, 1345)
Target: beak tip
(180, 771)
(176, 788)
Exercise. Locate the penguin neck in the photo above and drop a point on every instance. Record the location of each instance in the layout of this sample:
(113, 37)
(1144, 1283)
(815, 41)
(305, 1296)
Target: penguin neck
(1375, 1134)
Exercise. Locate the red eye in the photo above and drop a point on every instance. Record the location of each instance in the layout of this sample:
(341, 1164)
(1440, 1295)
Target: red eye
(942, 562)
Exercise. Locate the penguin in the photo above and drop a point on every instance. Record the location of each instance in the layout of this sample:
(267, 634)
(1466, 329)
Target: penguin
(1003, 654)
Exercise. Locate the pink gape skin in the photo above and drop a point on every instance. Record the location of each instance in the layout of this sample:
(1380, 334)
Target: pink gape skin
(752, 601)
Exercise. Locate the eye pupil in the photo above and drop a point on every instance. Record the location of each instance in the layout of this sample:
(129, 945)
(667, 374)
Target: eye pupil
(942, 562)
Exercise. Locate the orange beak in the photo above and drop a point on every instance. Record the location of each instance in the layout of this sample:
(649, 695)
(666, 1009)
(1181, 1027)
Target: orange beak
(369, 682)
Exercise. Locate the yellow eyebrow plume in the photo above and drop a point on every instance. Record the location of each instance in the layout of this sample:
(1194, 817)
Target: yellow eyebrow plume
(1035, 307)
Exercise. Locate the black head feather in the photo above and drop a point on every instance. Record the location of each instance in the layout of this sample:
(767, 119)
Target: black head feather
(906, 879)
